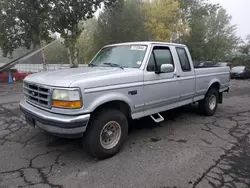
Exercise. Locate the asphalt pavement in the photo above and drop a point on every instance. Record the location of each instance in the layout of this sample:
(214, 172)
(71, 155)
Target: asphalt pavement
(186, 150)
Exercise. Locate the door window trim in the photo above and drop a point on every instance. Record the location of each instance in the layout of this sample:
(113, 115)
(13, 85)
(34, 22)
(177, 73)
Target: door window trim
(151, 53)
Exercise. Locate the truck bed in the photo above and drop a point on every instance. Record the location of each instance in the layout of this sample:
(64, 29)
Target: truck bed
(220, 75)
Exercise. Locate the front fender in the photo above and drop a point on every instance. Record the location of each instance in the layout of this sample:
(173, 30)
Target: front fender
(109, 97)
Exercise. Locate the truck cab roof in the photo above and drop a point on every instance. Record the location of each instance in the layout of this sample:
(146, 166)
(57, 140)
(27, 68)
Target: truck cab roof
(147, 43)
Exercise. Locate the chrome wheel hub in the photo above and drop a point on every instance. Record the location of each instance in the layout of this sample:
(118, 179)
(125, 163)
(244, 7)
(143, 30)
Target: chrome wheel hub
(212, 102)
(110, 135)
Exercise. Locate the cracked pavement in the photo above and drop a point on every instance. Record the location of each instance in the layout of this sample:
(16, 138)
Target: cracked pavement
(186, 150)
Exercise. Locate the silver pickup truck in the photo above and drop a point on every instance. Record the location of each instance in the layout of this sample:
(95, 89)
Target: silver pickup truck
(123, 82)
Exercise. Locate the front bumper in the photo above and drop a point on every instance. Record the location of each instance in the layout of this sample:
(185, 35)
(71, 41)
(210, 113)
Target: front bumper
(54, 123)
(233, 76)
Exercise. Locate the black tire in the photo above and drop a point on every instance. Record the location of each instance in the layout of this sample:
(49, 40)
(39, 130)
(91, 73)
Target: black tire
(204, 104)
(92, 140)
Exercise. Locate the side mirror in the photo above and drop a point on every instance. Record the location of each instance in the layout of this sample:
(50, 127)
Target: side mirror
(166, 68)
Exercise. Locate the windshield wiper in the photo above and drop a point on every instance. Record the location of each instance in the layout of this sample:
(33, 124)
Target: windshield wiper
(113, 65)
(91, 65)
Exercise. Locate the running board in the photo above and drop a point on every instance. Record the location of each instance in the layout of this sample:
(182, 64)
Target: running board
(158, 119)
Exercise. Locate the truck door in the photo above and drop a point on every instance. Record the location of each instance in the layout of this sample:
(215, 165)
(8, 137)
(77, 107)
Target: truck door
(187, 75)
(160, 89)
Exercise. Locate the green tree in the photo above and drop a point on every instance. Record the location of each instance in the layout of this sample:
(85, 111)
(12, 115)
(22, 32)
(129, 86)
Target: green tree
(66, 16)
(56, 54)
(163, 19)
(245, 47)
(193, 9)
(123, 22)
(194, 13)
(211, 35)
(23, 24)
(26, 23)
(242, 55)
(133, 21)
(86, 43)
(221, 37)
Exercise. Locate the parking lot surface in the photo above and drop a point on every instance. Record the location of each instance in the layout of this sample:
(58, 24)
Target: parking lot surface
(186, 150)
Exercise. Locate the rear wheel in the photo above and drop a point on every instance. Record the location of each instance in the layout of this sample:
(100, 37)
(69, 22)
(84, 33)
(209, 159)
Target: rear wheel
(208, 106)
(106, 133)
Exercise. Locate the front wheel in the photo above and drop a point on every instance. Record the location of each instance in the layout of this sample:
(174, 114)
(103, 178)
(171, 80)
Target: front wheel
(106, 133)
(208, 106)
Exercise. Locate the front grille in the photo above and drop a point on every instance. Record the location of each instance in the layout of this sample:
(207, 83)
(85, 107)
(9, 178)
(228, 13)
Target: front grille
(37, 94)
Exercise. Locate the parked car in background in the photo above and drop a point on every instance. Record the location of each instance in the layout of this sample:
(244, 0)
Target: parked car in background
(242, 72)
(203, 64)
(224, 64)
(16, 75)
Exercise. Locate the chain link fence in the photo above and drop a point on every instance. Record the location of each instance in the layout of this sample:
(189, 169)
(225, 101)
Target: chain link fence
(39, 67)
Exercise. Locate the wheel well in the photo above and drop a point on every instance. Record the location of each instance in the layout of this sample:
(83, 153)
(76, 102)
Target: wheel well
(119, 105)
(215, 85)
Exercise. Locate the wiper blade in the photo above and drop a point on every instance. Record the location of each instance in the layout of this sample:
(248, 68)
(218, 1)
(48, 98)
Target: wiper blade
(113, 65)
(91, 65)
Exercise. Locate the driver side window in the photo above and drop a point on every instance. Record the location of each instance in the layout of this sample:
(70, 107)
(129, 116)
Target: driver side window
(162, 56)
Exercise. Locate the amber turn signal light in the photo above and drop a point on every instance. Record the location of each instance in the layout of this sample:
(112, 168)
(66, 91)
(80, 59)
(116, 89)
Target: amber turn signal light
(66, 104)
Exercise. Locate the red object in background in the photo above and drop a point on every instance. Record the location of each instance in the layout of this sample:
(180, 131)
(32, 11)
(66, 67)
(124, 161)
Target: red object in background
(4, 76)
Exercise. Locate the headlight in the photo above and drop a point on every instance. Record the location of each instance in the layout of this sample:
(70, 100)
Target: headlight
(62, 98)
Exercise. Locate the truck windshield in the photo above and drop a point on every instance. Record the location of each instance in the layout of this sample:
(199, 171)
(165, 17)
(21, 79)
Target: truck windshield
(127, 56)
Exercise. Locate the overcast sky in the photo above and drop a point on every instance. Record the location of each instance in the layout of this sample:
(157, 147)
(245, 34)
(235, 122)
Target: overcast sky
(240, 11)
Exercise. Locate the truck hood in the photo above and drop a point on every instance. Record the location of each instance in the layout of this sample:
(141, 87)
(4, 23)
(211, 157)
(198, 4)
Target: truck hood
(65, 77)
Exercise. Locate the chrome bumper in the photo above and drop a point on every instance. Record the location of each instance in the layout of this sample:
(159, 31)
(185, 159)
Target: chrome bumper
(54, 123)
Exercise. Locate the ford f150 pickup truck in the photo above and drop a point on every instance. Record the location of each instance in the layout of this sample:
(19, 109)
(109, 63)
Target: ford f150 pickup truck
(123, 82)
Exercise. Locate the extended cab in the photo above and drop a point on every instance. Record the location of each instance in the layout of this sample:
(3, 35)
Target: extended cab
(123, 82)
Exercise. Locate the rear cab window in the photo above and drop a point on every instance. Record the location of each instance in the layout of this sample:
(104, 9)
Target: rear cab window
(183, 58)
(163, 55)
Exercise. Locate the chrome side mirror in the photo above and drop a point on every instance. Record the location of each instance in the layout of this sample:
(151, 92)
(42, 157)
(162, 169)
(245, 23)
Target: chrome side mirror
(166, 68)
